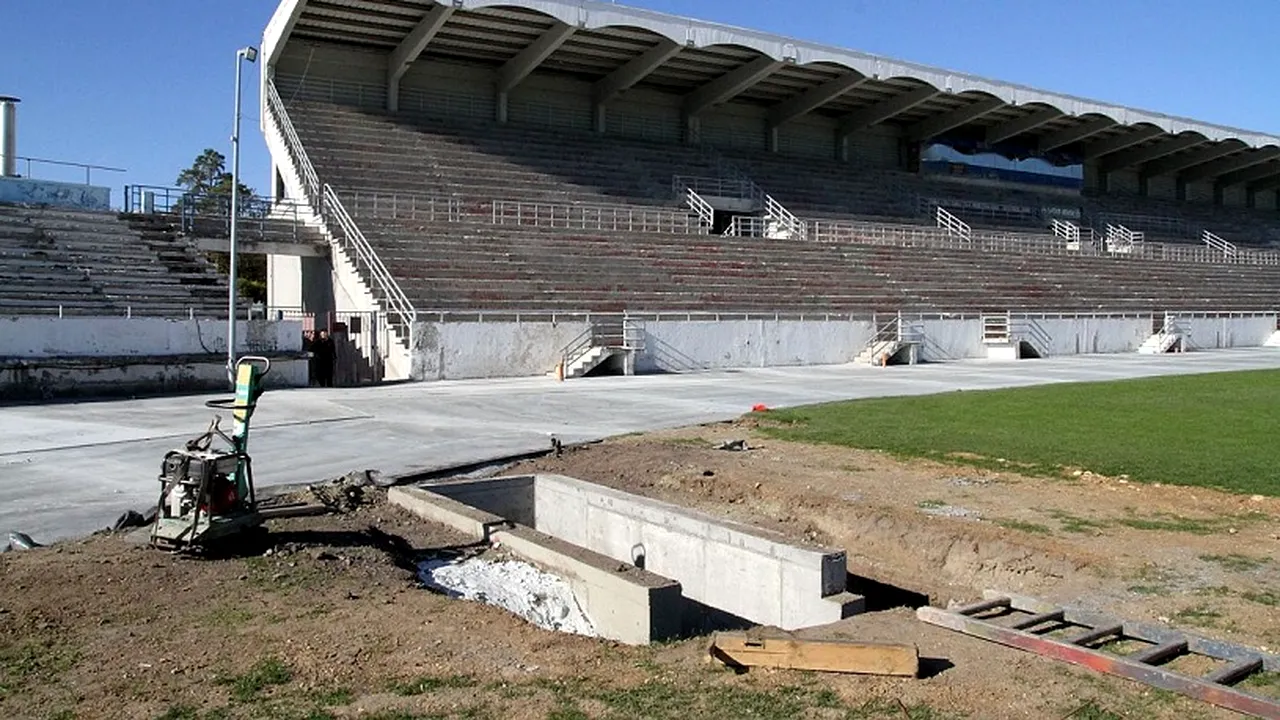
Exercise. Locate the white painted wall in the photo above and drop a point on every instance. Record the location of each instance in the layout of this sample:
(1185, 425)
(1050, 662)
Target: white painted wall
(84, 337)
(1209, 333)
(683, 345)
(1085, 335)
(947, 339)
(718, 563)
(460, 350)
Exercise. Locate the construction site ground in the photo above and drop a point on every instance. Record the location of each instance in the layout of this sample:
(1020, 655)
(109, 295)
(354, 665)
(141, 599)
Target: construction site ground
(327, 619)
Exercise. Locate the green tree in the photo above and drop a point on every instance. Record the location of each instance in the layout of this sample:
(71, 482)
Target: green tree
(208, 186)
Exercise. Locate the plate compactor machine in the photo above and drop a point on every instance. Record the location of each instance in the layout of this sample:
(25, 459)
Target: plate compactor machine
(206, 486)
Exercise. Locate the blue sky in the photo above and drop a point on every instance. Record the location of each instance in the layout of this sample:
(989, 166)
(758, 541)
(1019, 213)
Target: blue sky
(146, 84)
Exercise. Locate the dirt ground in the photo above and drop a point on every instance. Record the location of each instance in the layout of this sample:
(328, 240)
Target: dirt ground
(329, 620)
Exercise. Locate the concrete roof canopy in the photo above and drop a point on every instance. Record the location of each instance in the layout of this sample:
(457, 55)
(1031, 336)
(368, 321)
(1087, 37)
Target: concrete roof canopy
(618, 47)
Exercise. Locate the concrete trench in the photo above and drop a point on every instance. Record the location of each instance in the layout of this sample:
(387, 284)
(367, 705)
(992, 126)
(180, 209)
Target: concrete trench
(645, 570)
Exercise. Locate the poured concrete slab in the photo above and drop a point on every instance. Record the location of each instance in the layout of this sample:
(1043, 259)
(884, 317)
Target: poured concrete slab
(69, 469)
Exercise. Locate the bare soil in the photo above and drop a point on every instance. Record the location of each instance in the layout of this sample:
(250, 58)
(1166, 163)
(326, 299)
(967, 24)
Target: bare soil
(329, 620)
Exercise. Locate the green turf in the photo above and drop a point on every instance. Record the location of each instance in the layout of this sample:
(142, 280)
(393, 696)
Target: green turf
(1214, 430)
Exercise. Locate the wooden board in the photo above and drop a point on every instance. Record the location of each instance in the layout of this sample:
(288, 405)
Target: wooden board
(779, 650)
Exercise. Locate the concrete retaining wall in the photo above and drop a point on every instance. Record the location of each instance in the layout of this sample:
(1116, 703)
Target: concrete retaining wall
(25, 191)
(49, 357)
(1208, 333)
(50, 378)
(683, 345)
(95, 337)
(625, 603)
(1084, 335)
(462, 350)
(730, 567)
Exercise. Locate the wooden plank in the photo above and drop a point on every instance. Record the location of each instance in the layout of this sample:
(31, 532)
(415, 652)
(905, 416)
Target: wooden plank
(1220, 695)
(779, 650)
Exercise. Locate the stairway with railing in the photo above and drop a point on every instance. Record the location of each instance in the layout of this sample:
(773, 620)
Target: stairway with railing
(1122, 240)
(1215, 242)
(953, 225)
(345, 235)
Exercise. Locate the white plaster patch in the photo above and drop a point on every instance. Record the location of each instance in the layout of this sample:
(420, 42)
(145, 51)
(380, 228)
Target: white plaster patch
(518, 587)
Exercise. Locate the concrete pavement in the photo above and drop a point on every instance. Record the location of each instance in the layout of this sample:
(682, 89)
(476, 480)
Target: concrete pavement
(69, 469)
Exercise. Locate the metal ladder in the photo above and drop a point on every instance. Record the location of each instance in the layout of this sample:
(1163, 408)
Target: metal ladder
(1026, 623)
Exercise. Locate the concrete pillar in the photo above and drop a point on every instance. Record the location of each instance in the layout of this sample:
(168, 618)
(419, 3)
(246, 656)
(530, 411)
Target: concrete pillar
(501, 105)
(842, 147)
(1092, 177)
(8, 136)
(692, 129)
(600, 117)
(772, 138)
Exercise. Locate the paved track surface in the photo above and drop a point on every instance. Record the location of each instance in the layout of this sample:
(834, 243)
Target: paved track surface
(69, 469)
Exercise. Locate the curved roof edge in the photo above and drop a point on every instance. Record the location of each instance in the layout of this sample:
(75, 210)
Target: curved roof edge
(593, 14)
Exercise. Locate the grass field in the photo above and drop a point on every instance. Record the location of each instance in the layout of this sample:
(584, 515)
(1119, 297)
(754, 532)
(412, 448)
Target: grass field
(1215, 430)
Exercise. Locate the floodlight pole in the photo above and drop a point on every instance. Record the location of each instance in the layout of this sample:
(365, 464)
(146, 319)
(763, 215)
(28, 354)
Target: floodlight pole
(250, 54)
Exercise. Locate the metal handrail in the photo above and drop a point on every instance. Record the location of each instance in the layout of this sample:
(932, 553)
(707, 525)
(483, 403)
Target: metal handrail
(705, 212)
(88, 168)
(596, 217)
(1228, 249)
(952, 224)
(397, 301)
(578, 347)
(310, 180)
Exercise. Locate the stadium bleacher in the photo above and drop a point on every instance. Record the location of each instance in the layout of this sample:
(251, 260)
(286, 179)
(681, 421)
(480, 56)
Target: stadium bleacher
(57, 260)
(466, 262)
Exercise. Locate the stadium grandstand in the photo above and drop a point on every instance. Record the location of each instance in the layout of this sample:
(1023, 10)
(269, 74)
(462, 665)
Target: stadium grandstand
(508, 187)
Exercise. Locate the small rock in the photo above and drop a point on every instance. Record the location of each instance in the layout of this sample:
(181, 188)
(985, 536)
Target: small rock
(1123, 481)
(352, 596)
(1232, 531)
(758, 486)
(1256, 498)
(277, 577)
(734, 446)
(1077, 473)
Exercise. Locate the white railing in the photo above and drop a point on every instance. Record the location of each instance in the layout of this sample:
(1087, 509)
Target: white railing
(736, 188)
(400, 206)
(952, 224)
(1227, 249)
(1066, 230)
(337, 218)
(593, 217)
(341, 227)
(1121, 239)
(307, 171)
(706, 213)
(787, 225)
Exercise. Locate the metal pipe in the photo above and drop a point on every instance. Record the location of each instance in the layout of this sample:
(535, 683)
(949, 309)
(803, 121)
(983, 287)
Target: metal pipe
(250, 54)
(9, 136)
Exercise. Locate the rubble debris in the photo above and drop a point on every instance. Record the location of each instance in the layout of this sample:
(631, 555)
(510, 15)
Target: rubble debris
(734, 446)
(22, 541)
(129, 520)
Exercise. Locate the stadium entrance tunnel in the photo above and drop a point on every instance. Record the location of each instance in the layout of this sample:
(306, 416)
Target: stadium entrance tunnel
(644, 570)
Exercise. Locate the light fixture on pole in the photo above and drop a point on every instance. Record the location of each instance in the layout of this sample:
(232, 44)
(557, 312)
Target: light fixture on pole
(250, 54)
